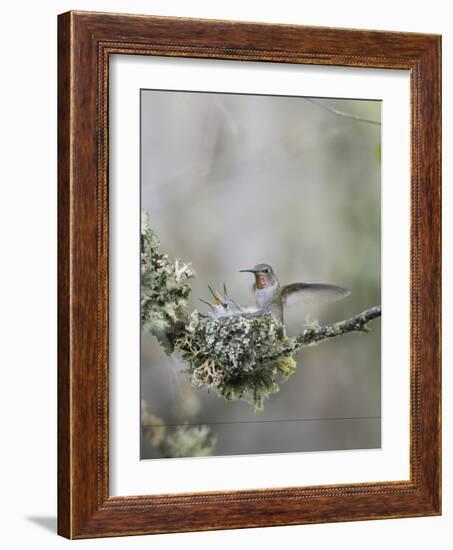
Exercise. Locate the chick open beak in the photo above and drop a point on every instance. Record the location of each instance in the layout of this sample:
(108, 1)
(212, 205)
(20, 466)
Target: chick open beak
(217, 297)
(206, 302)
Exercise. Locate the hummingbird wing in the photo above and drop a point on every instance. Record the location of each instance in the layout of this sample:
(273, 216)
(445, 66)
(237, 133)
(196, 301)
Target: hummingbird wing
(312, 293)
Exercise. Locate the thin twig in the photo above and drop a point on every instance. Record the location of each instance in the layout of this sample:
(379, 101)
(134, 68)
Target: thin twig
(337, 112)
(309, 336)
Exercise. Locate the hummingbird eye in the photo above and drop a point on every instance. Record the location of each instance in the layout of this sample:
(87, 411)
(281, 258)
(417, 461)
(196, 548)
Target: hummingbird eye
(266, 270)
(224, 304)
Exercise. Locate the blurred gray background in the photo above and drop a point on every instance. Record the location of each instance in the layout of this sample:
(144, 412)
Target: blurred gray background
(230, 181)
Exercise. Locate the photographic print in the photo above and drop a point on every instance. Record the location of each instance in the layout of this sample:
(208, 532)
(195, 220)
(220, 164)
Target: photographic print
(260, 274)
(228, 228)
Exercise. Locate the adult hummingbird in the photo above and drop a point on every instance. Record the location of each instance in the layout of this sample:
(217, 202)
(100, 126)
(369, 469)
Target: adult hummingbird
(272, 297)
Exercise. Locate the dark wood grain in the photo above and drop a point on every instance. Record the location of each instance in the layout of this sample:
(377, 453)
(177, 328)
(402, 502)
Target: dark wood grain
(85, 42)
(64, 367)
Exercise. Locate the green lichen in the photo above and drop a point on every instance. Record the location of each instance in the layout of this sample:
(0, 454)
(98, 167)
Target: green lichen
(165, 291)
(176, 442)
(189, 441)
(229, 356)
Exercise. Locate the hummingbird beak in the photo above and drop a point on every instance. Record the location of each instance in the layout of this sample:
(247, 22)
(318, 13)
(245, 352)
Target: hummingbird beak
(216, 295)
(205, 302)
(247, 271)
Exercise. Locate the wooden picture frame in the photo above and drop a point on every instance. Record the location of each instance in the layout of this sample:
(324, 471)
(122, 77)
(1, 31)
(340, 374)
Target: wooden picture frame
(85, 42)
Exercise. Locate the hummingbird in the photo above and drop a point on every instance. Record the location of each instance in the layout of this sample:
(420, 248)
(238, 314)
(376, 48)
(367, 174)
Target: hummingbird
(223, 306)
(272, 297)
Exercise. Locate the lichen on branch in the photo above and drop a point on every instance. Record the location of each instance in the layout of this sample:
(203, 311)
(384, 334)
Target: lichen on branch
(176, 441)
(236, 357)
(164, 290)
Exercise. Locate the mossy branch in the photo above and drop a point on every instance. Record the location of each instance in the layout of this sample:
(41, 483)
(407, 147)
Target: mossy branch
(312, 336)
(176, 441)
(237, 357)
